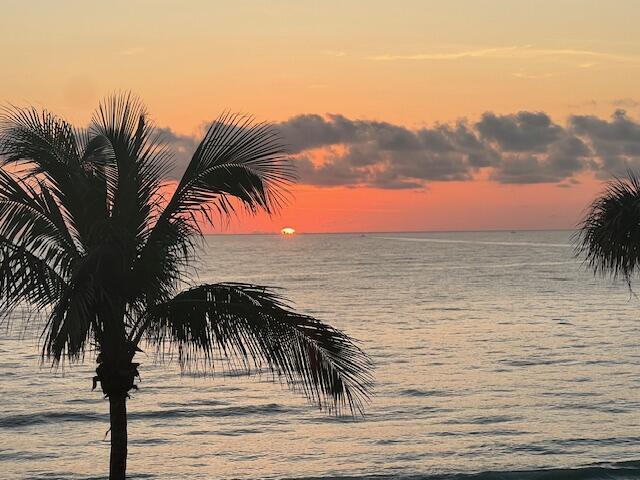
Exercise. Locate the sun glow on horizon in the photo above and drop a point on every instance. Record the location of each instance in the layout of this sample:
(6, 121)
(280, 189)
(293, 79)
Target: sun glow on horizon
(287, 231)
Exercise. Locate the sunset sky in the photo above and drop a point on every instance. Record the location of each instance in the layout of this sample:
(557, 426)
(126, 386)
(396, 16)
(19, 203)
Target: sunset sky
(405, 115)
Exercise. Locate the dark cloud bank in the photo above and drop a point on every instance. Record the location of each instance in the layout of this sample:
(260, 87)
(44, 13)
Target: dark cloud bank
(521, 148)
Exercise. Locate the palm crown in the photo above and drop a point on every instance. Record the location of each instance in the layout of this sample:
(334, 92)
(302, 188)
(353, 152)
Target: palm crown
(89, 240)
(609, 236)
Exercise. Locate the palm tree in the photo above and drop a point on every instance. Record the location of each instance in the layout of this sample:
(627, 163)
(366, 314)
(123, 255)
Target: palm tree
(90, 243)
(609, 236)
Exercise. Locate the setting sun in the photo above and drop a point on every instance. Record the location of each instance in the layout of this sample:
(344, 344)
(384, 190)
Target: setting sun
(286, 231)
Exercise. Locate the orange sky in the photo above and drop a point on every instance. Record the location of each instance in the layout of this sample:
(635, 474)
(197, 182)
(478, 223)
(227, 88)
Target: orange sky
(478, 205)
(410, 63)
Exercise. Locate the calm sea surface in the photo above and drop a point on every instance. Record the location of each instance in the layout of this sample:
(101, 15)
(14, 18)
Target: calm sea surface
(494, 352)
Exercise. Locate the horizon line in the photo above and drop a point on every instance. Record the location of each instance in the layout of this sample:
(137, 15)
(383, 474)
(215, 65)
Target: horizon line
(362, 232)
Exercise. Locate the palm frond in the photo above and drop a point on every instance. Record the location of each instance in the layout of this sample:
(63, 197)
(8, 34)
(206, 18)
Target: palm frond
(30, 222)
(98, 157)
(91, 305)
(47, 148)
(24, 210)
(164, 265)
(71, 322)
(236, 159)
(252, 324)
(139, 163)
(26, 279)
(609, 236)
(40, 141)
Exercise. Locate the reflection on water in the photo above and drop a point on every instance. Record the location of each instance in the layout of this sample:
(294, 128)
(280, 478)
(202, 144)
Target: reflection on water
(493, 351)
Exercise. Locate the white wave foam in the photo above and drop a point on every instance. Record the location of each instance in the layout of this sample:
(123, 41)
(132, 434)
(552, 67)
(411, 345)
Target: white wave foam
(477, 242)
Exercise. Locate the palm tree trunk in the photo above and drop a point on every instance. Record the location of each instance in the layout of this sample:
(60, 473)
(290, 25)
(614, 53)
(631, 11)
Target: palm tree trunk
(118, 416)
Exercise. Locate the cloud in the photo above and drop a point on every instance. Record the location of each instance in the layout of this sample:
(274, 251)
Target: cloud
(511, 52)
(383, 154)
(334, 173)
(519, 148)
(133, 51)
(520, 132)
(304, 132)
(560, 162)
(615, 142)
(335, 53)
(532, 76)
(505, 52)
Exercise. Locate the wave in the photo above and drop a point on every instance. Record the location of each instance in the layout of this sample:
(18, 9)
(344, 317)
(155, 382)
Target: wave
(609, 471)
(419, 392)
(601, 471)
(28, 419)
(38, 418)
(439, 267)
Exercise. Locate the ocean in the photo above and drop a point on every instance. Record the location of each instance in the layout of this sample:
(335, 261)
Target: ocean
(497, 356)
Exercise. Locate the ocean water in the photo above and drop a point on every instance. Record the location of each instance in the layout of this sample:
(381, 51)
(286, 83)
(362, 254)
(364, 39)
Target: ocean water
(498, 356)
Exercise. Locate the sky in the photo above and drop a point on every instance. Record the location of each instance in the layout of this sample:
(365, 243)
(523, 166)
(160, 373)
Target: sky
(400, 116)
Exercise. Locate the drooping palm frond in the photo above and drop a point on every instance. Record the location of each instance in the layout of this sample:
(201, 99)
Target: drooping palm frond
(27, 217)
(36, 249)
(255, 326)
(71, 322)
(609, 236)
(93, 304)
(25, 278)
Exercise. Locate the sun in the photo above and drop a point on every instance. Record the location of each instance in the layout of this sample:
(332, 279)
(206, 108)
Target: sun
(287, 231)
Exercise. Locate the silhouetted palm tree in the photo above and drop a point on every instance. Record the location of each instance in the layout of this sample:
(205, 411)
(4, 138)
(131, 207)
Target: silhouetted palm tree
(87, 238)
(609, 237)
